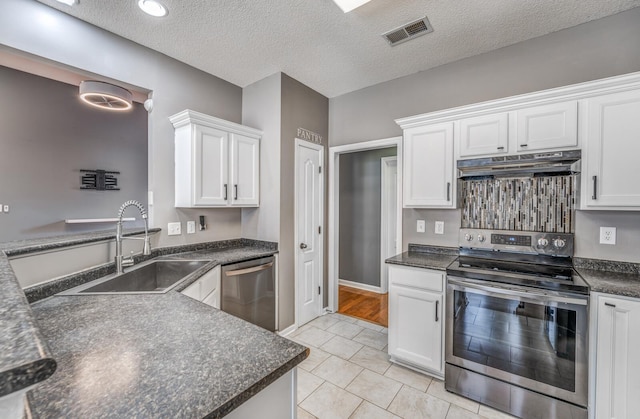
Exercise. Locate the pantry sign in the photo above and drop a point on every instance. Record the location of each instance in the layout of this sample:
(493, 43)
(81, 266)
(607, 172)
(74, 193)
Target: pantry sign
(305, 134)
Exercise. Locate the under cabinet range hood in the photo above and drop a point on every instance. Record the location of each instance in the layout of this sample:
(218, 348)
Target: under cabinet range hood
(534, 164)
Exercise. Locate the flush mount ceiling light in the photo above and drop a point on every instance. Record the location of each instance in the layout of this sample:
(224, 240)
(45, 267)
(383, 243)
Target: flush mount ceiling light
(153, 8)
(105, 96)
(349, 5)
(68, 2)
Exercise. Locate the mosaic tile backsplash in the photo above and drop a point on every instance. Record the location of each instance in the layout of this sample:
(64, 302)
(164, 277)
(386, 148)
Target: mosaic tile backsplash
(545, 204)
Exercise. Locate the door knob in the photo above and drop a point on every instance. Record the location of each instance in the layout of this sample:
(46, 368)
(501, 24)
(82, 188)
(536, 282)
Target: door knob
(303, 246)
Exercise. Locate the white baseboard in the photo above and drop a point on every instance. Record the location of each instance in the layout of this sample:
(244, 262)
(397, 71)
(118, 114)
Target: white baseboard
(360, 286)
(288, 330)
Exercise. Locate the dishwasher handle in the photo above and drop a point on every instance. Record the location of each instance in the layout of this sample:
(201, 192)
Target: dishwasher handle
(249, 270)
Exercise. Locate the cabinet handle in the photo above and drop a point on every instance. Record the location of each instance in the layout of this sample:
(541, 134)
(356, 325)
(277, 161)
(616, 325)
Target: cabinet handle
(225, 191)
(595, 185)
(500, 148)
(524, 145)
(235, 192)
(448, 191)
(610, 305)
(437, 306)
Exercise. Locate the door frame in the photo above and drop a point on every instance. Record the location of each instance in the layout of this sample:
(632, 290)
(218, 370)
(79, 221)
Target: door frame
(299, 143)
(384, 217)
(334, 205)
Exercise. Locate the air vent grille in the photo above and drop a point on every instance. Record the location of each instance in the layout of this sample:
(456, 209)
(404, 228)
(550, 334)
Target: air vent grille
(409, 31)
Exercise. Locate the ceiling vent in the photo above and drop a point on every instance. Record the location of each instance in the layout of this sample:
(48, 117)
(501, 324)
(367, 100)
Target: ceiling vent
(409, 31)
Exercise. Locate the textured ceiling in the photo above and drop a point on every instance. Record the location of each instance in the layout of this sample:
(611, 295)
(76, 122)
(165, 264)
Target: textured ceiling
(332, 52)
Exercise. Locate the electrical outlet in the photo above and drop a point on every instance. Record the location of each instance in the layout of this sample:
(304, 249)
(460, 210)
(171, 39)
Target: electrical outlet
(191, 227)
(439, 227)
(607, 235)
(5, 208)
(174, 229)
(420, 226)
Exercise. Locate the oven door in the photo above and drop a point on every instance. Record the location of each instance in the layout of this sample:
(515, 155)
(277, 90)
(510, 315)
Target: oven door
(529, 337)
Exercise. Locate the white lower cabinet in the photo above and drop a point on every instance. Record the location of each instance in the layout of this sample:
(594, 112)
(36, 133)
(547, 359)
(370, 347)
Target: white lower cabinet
(206, 288)
(617, 372)
(416, 332)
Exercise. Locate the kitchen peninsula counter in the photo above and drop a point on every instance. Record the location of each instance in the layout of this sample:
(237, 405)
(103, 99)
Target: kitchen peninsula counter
(153, 356)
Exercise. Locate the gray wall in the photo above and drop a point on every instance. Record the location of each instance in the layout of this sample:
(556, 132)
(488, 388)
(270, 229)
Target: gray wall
(302, 107)
(360, 213)
(176, 86)
(279, 105)
(46, 136)
(598, 49)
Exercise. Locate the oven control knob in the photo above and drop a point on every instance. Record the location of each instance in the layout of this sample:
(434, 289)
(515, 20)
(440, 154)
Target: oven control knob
(481, 238)
(468, 237)
(543, 242)
(559, 243)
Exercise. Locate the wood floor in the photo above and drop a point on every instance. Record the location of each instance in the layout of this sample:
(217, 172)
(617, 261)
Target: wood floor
(365, 305)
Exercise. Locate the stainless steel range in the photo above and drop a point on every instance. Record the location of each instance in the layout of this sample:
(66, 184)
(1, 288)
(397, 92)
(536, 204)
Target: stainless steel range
(516, 324)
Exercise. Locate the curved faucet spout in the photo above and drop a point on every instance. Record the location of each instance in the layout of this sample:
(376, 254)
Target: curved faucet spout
(121, 261)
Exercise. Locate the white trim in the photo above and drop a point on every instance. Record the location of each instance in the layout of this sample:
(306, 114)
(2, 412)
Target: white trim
(289, 330)
(385, 198)
(360, 286)
(299, 143)
(573, 92)
(334, 202)
(188, 116)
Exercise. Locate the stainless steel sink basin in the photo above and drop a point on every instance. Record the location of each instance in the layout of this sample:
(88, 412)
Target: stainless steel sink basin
(155, 276)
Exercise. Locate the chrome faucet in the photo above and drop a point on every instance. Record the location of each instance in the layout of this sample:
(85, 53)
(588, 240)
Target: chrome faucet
(122, 262)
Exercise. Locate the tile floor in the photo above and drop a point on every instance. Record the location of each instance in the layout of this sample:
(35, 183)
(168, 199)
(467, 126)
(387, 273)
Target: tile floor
(348, 376)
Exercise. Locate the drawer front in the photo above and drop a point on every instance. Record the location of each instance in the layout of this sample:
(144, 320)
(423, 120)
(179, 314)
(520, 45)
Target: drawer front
(213, 299)
(416, 277)
(193, 291)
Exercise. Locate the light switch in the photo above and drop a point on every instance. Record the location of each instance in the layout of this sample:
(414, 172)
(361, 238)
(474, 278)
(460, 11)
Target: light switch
(420, 226)
(174, 229)
(191, 227)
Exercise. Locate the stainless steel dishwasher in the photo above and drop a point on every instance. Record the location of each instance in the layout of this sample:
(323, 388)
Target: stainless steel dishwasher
(249, 291)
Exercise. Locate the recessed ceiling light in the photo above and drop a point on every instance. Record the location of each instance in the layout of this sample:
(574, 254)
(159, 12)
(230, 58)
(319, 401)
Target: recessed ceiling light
(153, 8)
(349, 5)
(68, 2)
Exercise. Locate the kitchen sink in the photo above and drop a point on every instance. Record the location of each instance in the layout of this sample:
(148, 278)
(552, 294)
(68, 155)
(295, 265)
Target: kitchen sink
(155, 276)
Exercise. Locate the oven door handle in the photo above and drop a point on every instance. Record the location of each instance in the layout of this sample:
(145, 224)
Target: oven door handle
(501, 291)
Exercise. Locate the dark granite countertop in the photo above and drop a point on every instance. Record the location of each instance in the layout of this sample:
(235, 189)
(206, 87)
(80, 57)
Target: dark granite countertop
(429, 257)
(610, 277)
(200, 370)
(161, 355)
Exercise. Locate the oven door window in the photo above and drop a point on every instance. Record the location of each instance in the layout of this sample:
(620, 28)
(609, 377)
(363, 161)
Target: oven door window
(531, 340)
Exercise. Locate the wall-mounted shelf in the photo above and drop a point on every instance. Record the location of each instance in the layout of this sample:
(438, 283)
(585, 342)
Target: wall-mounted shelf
(96, 220)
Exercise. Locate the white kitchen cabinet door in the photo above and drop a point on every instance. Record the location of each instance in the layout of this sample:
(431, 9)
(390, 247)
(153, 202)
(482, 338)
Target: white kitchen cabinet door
(547, 127)
(245, 171)
(612, 148)
(428, 174)
(415, 327)
(210, 167)
(484, 135)
(617, 363)
(415, 318)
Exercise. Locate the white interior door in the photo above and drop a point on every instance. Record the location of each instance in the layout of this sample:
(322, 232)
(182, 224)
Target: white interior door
(309, 204)
(389, 216)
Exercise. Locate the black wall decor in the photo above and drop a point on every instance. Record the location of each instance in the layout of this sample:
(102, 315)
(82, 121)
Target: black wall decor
(100, 180)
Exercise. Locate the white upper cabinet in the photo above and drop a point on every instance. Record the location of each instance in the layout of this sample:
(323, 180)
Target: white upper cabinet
(245, 170)
(611, 151)
(482, 135)
(217, 162)
(547, 127)
(428, 167)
